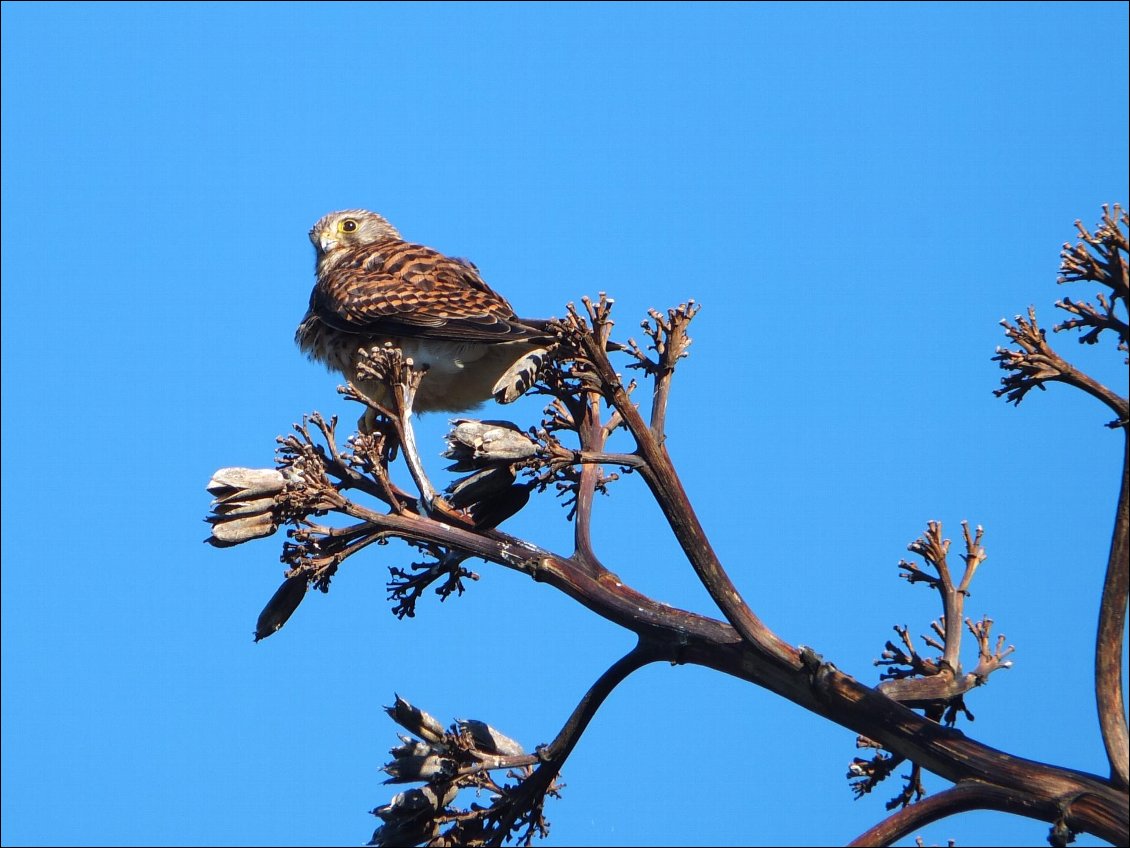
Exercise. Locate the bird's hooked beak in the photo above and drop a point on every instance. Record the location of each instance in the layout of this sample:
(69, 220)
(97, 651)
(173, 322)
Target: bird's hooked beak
(326, 241)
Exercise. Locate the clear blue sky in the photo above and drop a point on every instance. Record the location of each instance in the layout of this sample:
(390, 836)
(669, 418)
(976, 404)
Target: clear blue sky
(856, 194)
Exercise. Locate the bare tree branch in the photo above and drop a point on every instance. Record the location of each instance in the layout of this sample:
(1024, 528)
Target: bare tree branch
(315, 488)
(1100, 257)
(964, 797)
(1110, 645)
(659, 473)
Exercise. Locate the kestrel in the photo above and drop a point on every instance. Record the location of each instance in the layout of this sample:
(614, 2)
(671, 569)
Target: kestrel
(375, 289)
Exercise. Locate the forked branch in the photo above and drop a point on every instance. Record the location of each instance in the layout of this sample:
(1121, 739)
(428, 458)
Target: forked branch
(1099, 257)
(318, 488)
(589, 339)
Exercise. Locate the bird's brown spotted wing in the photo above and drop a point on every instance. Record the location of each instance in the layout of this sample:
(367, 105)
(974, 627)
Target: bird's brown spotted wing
(396, 288)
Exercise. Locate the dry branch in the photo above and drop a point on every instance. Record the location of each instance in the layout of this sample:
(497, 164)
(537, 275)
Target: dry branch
(336, 501)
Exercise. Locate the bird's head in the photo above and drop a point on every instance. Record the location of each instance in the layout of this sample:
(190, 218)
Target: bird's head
(349, 228)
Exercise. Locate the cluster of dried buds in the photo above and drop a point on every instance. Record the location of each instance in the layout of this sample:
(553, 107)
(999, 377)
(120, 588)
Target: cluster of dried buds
(447, 761)
(1101, 258)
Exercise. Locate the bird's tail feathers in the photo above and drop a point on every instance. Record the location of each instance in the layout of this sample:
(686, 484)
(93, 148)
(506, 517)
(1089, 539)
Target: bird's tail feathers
(518, 378)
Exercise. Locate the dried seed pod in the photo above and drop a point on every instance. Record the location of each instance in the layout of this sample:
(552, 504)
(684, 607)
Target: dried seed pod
(246, 483)
(485, 483)
(430, 766)
(281, 606)
(415, 720)
(491, 512)
(488, 740)
(227, 532)
(482, 442)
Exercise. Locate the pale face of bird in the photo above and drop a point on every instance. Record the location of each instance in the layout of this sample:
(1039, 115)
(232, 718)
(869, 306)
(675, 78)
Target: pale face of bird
(348, 228)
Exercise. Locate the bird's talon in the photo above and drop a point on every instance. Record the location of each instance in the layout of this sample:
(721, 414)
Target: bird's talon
(438, 508)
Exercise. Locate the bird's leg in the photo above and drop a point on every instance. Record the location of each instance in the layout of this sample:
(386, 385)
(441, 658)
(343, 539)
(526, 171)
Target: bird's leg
(404, 394)
(402, 381)
(432, 505)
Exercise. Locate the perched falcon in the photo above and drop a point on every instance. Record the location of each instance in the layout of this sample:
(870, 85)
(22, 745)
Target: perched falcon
(374, 288)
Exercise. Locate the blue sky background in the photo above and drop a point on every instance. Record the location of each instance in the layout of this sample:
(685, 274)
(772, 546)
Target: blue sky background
(855, 193)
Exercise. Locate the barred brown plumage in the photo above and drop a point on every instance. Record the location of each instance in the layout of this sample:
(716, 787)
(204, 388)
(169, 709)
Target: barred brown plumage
(375, 289)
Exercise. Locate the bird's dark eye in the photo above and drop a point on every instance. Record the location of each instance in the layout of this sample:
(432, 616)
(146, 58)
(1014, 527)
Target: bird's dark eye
(348, 226)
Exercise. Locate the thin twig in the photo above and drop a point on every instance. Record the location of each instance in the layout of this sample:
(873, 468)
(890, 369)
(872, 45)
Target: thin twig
(1037, 363)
